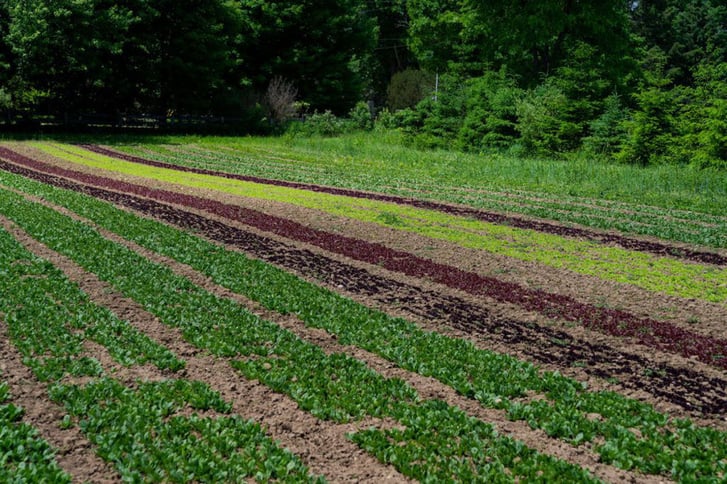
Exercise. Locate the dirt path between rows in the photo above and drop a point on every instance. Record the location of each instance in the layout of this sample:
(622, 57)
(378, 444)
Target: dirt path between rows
(74, 453)
(692, 315)
(686, 386)
(211, 368)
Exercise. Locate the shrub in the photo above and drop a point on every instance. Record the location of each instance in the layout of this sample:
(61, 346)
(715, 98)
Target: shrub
(490, 120)
(360, 117)
(607, 132)
(542, 121)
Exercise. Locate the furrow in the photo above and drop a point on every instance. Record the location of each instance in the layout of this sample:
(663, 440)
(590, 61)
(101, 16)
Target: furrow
(651, 333)
(75, 453)
(427, 387)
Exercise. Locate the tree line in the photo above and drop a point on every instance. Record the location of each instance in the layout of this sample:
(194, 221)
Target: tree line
(636, 81)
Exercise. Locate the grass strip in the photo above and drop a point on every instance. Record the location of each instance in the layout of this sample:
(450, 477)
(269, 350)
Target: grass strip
(495, 380)
(329, 386)
(630, 244)
(24, 455)
(656, 334)
(610, 263)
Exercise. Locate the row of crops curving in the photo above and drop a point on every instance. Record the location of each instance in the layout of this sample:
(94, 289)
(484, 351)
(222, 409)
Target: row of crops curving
(152, 299)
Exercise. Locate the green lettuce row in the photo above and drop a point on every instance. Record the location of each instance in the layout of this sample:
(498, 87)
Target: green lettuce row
(48, 319)
(139, 432)
(333, 386)
(24, 456)
(643, 220)
(494, 379)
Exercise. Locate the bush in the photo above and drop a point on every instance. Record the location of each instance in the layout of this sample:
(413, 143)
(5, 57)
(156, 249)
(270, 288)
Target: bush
(360, 117)
(608, 131)
(653, 129)
(542, 121)
(490, 120)
(320, 124)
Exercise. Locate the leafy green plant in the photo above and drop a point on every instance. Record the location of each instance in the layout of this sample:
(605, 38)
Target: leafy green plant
(24, 455)
(326, 385)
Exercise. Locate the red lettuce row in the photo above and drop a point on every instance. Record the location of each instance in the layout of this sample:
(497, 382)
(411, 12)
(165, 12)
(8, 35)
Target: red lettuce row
(649, 332)
(621, 241)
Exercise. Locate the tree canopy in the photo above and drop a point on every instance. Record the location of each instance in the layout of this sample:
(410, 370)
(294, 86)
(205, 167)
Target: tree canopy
(639, 81)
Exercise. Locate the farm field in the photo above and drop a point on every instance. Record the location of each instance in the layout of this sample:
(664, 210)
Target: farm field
(220, 311)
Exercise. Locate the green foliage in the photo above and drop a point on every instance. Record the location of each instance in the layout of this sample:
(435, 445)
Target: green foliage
(542, 121)
(24, 456)
(142, 433)
(429, 445)
(709, 128)
(48, 318)
(360, 117)
(652, 127)
(320, 46)
(318, 124)
(438, 118)
(670, 202)
(156, 442)
(491, 118)
(607, 131)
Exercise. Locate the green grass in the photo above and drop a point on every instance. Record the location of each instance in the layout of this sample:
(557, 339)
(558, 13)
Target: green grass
(357, 155)
(666, 201)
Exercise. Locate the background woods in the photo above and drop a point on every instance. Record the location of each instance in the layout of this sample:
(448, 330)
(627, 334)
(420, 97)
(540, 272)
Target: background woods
(641, 82)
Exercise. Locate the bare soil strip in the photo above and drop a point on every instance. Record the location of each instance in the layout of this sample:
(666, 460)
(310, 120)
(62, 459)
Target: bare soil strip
(428, 388)
(492, 217)
(75, 454)
(321, 445)
(646, 331)
(687, 387)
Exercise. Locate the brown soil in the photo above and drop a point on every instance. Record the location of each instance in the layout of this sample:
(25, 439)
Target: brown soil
(74, 453)
(673, 383)
(697, 316)
(653, 245)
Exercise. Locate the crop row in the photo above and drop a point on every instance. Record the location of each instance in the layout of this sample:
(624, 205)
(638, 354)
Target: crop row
(671, 224)
(661, 335)
(495, 380)
(645, 270)
(48, 321)
(329, 386)
(24, 455)
(683, 387)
